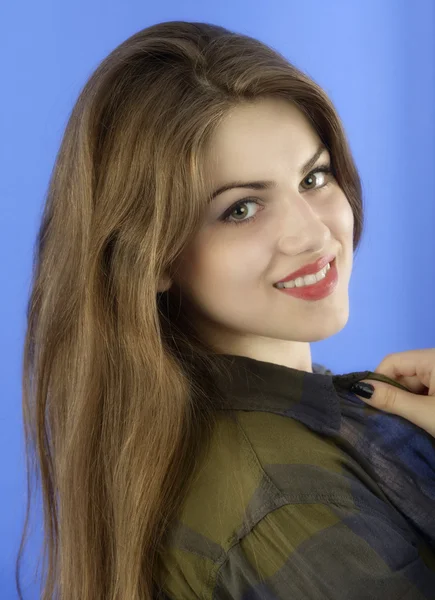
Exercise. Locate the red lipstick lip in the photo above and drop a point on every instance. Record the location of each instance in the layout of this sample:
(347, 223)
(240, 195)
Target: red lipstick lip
(310, 269)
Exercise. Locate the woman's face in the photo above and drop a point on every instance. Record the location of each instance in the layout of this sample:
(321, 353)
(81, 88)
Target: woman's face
(228, 271)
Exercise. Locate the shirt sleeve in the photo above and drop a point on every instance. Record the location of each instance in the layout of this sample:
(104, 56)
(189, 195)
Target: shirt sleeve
(324, 551)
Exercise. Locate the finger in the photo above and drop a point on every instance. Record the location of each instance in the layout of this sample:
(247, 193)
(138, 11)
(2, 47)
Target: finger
(391, 399)
(418, 365)
(413, 384)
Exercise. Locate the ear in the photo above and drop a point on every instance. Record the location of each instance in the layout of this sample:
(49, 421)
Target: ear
(164, 284)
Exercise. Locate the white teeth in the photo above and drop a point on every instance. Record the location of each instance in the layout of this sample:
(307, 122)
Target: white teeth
(307, 280)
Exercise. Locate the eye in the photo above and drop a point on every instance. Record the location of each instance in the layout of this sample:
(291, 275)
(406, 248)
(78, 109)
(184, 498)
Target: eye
(323, 170)
(234, 207)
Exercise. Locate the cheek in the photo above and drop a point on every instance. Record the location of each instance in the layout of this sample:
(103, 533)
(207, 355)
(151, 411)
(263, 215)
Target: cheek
(349, 218)
(341, 219)
(221, 266)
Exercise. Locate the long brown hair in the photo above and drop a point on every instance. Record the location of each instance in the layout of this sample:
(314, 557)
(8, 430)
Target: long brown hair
(117, 400)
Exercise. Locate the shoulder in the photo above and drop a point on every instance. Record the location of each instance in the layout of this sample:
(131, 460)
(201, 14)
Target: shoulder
(258, 461)
(258, 464)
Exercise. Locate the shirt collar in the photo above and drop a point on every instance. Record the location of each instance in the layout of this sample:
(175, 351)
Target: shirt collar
(312, 398)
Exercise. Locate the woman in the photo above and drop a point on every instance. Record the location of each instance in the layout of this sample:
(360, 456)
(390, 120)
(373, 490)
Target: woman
(186, 443)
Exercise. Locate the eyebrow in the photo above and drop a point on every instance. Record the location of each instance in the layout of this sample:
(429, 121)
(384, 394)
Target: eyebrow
(267, 185)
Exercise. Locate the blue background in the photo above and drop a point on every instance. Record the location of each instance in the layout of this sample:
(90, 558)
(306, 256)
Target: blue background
(376, 60)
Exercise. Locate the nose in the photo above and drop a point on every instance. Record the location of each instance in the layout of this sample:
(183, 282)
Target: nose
(301, 228)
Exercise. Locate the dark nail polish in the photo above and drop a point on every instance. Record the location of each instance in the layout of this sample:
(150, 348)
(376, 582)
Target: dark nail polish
(363, 389)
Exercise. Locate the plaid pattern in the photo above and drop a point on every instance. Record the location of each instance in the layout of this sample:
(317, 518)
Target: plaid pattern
(306, 493)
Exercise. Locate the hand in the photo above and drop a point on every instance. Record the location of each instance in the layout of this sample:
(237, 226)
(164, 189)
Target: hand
(415, 369)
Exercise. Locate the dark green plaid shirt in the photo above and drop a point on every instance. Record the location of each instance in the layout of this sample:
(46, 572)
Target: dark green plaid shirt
(307, 493)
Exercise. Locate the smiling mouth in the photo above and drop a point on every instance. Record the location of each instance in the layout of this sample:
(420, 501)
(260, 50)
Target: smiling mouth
(314, 291)
(306, 280)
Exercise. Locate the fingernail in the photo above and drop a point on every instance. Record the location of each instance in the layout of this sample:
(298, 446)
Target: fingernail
(363, 389)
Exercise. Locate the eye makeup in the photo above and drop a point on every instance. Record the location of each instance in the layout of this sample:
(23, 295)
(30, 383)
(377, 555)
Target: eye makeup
(326, 169)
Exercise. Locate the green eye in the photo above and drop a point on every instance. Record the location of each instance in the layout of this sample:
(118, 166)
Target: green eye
(322, 169)
(226, 218)
(234, 207)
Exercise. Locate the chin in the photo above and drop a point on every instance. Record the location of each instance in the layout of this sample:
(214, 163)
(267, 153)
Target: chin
(317, 332)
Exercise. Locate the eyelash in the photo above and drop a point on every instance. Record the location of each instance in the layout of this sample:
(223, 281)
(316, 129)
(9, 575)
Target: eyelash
(226, 216)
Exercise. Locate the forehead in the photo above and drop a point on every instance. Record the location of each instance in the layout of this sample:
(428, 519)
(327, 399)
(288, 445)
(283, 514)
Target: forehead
(267, 133)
